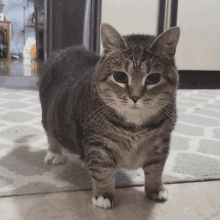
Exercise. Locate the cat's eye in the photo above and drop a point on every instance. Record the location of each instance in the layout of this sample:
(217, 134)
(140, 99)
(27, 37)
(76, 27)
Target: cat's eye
(153, 78)
(120, 77)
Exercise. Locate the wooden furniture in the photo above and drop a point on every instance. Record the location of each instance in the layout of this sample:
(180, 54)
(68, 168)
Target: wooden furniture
(5, 28)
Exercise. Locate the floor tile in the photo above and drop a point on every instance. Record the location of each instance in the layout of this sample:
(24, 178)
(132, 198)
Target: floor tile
(187, 201)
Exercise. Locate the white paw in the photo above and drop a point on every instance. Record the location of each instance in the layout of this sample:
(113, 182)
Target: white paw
(162, 195)
(101, 202)
(53, 158)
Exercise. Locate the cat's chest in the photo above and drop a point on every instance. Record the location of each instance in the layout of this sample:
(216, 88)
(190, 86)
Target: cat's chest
(134, 154)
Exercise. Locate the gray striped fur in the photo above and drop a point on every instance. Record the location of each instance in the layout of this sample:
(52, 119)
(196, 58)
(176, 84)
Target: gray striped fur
(77, 91)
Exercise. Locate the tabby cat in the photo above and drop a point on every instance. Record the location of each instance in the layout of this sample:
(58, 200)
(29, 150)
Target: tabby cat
(117, 110)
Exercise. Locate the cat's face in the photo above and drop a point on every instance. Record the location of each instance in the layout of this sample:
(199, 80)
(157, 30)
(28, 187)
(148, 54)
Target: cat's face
(137, 80)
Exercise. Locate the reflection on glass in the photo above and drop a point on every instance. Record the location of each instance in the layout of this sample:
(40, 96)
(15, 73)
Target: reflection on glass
(23, 38)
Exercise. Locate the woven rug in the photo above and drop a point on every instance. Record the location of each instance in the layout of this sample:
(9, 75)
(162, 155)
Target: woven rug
(194, 156)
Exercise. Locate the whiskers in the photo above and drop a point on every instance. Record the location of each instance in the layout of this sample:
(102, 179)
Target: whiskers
(163, 108)
(98, 97)
(136, 116)
(107, 110)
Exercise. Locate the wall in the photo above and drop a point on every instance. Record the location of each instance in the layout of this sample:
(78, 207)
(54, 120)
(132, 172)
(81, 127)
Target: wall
(199, 20)
(199, 45)
(131, 16)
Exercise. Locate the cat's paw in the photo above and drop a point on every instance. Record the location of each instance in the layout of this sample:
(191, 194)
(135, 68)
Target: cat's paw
(161, 195)
(53, 158)
(102, 202)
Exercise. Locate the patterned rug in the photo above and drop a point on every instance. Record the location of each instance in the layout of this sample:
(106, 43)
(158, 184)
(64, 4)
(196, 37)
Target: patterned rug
(194, 156)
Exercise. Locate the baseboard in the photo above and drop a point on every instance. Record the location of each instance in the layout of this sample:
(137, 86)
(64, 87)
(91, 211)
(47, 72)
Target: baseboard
(199, 79)
(189, 79)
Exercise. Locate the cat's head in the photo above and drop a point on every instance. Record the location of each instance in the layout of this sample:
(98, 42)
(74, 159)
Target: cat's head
(136, 74)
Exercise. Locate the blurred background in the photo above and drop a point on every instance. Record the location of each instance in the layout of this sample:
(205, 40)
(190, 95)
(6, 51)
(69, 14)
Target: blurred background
(30, 30)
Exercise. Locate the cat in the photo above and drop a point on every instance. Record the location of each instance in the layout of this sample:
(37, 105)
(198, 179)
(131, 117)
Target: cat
(115, 110)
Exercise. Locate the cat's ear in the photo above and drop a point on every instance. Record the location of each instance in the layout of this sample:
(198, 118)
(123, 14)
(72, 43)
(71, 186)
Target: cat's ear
(168, 40)
(111, 39)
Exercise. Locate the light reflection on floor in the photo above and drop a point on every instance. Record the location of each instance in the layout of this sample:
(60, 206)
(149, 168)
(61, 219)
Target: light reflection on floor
(18, 67)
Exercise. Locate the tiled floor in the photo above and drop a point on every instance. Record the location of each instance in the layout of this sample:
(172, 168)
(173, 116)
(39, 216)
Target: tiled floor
(188, 201)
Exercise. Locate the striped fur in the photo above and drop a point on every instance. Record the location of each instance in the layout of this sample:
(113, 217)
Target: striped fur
(85, 111)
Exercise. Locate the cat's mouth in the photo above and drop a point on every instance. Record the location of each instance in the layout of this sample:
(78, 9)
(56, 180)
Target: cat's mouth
(135, 107)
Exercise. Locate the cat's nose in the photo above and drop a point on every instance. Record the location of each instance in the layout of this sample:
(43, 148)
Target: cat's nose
(134, 98)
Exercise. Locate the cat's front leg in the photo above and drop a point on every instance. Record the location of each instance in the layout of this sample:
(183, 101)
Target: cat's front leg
(54, 152)
(102, 169)
(154, 188)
